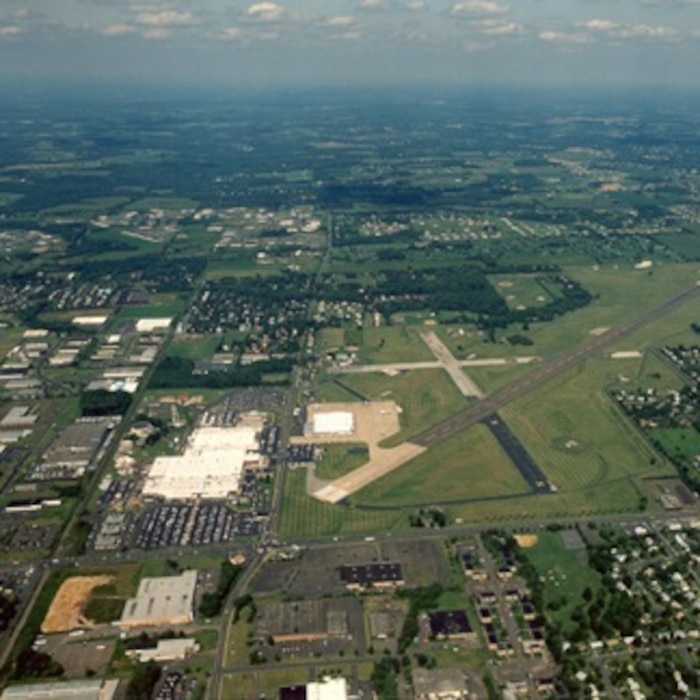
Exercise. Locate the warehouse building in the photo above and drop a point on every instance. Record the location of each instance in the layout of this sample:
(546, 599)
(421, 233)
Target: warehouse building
(166, 600)
(333, 423)
(210, 467)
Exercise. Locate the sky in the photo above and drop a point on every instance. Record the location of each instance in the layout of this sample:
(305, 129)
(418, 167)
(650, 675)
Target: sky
(352, 42)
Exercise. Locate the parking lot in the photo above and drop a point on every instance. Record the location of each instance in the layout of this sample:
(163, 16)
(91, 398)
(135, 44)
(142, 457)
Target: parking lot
(177, 525)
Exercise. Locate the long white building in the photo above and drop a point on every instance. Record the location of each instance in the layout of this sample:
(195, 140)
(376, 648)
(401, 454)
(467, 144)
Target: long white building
(210, 467)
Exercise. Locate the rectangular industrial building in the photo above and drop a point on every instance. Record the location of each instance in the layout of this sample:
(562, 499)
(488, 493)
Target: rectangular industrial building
(166, 600)
(356, 577)
(66, 690)
(333, 423)
(210, 467)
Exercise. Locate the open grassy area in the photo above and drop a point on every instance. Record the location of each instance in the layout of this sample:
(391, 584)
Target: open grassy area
(679, 442)
(340, 459)
(425, 396)
(160, 305)
(565, 575)
(237, 642)
(576, 433)
(621, 294)
(263, 683)
(304, 516)
(609, 498)
(392, 344)
(470, 465)
(521, 290)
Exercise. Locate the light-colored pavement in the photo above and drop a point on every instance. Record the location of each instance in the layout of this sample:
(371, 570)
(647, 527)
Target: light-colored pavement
(447, 360)
(373, 422)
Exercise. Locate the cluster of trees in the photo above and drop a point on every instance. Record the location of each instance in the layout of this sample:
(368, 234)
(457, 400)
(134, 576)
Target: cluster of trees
(32, 664)
(143, 681)
(104, 403)
(212, 603)
(419, 600)
(430, 517)
(179, 373)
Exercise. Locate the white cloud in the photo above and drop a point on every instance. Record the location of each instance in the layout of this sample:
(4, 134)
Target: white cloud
(119, 29)
(156, 33)
(630, 31)
(340, 21)
(600, 25)
(10, 30)
(649, 32)
(495, 27)
(165, 18)
(553, 37)
(479, 7)
(232, 33)
(265, 12)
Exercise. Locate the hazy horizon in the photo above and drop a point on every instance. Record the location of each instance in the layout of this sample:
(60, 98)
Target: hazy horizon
(307, 43)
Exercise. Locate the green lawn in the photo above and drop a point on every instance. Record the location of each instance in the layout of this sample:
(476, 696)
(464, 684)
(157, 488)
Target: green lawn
(264, 683)
(425, 396)
(522, 290)
(679, 442)
(341, 459)
(304, 516)
(470, 465)
(565, 575)
(576, 433)
(392, 344)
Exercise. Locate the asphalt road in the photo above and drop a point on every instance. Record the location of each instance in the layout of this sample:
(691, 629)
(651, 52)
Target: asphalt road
(548, 370)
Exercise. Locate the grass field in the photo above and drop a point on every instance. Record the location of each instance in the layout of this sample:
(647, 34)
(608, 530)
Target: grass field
(159, 306)
(340, 459)
(679, 442)
(392, 344)
(107, 602)
(621, 294)
(521, 290)
(470, 465)
(577, 435)
(425, 396)
(264, 683)
(237, 642)
(565, 575)
(195, 349)
(302, 515)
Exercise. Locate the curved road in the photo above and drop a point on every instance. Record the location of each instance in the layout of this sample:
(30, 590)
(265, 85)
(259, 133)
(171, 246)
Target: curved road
(548, 370)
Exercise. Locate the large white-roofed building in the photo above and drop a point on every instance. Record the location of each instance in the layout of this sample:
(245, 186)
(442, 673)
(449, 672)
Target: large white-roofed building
(210, 468)
(333, 423)
(165, 600)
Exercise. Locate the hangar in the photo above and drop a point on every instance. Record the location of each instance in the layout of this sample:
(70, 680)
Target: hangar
(333, 423)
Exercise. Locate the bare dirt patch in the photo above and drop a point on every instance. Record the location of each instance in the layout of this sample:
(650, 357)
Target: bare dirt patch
(526, 541)
(66, 611)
